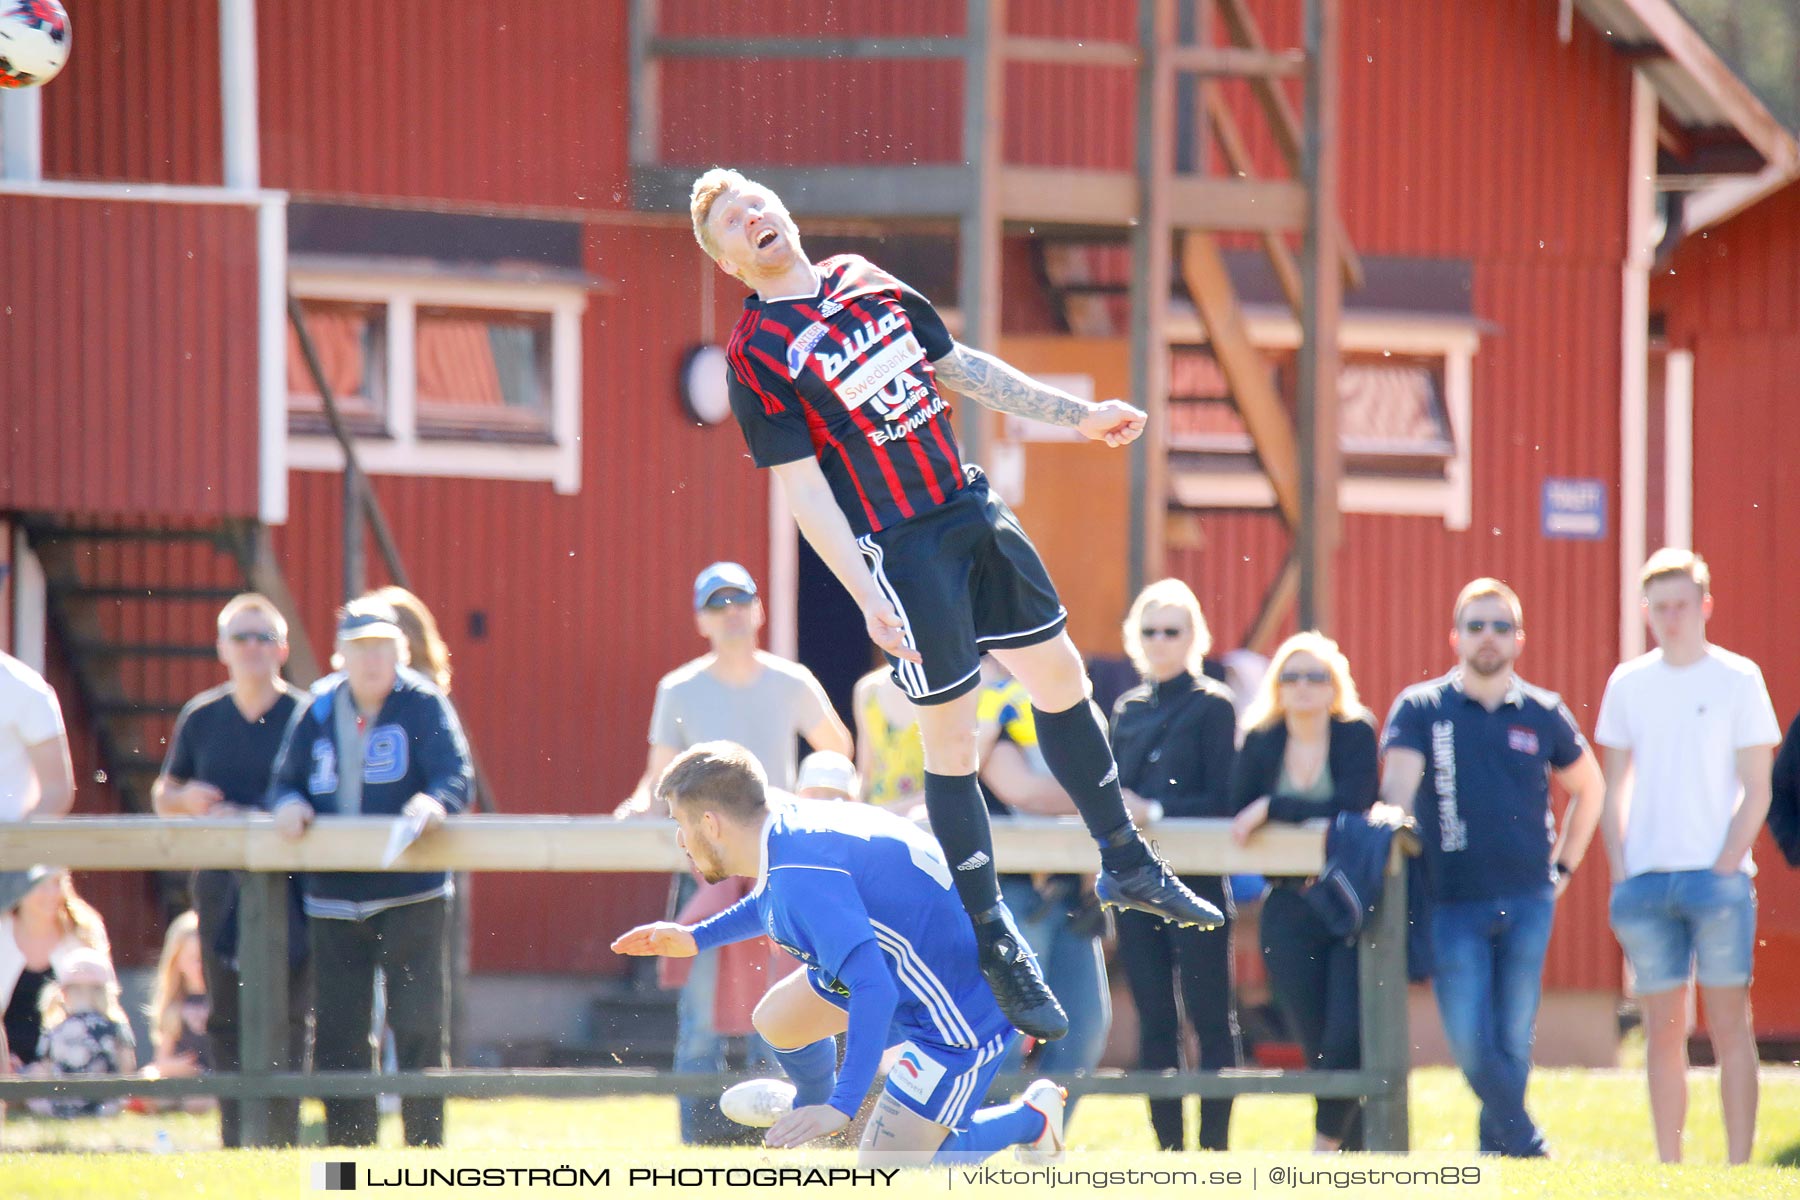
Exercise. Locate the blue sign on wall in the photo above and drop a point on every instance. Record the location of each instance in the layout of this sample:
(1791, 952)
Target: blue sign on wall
(1575, 509)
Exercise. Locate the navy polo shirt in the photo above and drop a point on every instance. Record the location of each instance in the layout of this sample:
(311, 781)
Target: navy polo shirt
(1484, 805)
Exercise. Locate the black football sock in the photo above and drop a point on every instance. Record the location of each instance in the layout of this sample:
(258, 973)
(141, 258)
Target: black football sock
(1075, 749)
(959, 818)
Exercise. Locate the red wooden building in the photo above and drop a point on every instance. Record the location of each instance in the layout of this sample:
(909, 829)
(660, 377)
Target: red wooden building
(478, 213)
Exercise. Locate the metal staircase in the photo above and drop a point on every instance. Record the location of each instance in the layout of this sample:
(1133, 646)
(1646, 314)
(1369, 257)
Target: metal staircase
(133, 604)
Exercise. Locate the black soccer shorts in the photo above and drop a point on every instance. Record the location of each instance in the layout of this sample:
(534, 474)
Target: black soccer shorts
(965, 580)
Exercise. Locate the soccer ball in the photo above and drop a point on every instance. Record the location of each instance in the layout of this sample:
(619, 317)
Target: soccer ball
(34, 42)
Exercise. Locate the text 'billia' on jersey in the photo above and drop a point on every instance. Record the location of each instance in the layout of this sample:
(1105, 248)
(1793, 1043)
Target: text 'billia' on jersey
(844, 375)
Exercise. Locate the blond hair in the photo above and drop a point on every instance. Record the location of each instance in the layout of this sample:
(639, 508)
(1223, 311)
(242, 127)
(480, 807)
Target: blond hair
(1267, 709)
(53, 1006)
(1481, 589)
(430, 656)
(256, 602)
(1167, 593)
(706, 192)
(1670, 563)
(80, 918)
(165, 1005)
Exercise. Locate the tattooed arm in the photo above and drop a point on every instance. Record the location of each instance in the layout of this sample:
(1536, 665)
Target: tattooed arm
(1004, 388)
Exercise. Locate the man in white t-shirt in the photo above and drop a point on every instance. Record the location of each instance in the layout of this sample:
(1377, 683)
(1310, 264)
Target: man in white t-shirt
(36, 778)
(1689, 735)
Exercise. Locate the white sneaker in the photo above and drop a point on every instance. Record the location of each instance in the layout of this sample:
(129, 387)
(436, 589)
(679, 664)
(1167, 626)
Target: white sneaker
(759, 1102)
(1050, 1100)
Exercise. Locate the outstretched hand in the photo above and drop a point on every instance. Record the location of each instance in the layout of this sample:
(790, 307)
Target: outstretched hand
(1114, 422)
(663, 939)
(804, 1125)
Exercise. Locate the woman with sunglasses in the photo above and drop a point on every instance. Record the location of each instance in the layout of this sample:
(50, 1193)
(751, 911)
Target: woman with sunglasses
(1309, 752)
(1174, 738)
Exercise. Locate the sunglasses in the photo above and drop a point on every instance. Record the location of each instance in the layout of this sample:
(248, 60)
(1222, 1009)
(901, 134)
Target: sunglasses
(1164, 633)
(267, 639)
(1305, 677)
(721, 602)
(1500, 627)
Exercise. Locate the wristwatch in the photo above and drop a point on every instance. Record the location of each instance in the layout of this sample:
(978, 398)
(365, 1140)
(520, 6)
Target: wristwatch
(1563, 869)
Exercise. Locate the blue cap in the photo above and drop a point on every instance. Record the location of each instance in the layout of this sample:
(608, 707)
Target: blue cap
(719, 577)
(367, 618)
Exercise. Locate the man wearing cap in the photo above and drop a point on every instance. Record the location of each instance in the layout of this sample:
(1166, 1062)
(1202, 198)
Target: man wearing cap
(220, 760)
(413, 762)
(36, 778)
(741, 693)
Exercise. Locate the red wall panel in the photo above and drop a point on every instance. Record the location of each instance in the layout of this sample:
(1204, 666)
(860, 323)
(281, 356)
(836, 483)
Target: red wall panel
(586, 599)
(1064, 115)
(794, 111)
(129, 334)
(451, 100)
(139, 99)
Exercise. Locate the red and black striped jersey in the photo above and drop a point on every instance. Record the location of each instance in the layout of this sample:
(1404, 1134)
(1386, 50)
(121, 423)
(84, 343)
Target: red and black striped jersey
(845, 375)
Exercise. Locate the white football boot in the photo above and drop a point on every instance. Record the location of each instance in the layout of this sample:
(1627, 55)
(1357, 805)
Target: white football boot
(759, 1102)
(1050, 1100)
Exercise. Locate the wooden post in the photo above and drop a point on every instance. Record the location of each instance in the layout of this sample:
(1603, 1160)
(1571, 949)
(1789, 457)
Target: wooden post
(646, 85)
(978, 259)
(1386, 1037)
(1151, 271)
(1322, 288)
(355, 573)
(262, 991)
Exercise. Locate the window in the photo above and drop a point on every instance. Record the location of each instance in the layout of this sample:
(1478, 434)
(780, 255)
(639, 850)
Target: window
(437, 376)
(1403, 418)
(1391, 415)
(482, 371)
(350, 339)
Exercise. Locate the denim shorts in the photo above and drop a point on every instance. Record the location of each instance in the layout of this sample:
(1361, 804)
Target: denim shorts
(1674, 924)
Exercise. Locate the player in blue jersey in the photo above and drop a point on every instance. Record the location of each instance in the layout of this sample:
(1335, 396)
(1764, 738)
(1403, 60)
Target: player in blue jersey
(865, 900)
(835, 371)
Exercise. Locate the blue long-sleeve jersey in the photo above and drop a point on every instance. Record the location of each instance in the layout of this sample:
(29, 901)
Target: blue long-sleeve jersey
(836, 877)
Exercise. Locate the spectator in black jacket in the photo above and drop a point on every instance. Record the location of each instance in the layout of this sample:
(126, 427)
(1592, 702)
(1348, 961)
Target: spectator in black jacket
(1309, 752)
(414, 762)
(1174, 738)
(1784, 801)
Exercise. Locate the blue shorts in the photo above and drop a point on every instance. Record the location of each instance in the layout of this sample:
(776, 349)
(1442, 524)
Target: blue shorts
(945, 1085)
(1677, 924)
(941, 1083)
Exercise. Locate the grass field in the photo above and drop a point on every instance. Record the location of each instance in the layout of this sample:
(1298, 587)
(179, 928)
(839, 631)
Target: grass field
(1598, 1122)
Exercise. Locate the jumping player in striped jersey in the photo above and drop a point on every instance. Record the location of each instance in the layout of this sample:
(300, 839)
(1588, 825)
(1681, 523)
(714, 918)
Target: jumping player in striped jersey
(864, 899)
(835, 368)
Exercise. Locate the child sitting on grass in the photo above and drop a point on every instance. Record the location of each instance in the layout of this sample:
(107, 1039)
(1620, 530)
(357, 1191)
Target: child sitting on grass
(178, 1013)
(85, 1033)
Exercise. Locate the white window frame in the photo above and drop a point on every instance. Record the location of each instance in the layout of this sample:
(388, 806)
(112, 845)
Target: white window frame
(1454, 342)
(400, 450)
